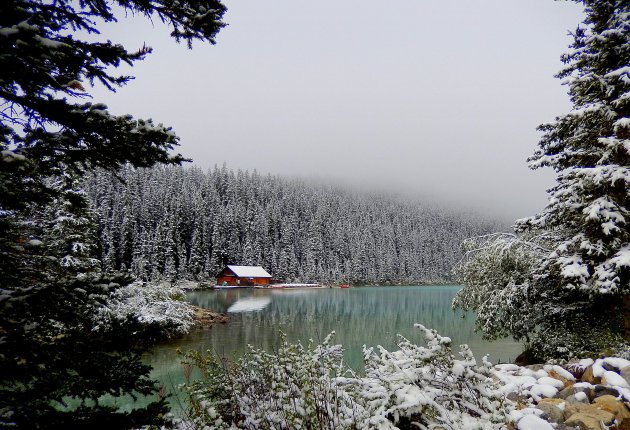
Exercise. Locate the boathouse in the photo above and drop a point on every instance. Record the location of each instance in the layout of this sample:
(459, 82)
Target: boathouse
(243, 276)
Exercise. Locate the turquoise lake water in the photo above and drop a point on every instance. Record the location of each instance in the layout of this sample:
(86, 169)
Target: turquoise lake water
(360, 316)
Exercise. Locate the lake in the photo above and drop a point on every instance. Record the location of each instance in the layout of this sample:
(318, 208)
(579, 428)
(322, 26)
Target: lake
(365, 315)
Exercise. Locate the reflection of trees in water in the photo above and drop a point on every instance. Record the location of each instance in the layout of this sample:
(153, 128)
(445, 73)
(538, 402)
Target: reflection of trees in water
(371, 315)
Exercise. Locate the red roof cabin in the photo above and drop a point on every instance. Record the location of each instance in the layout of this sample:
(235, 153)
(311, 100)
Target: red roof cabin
(243, 276)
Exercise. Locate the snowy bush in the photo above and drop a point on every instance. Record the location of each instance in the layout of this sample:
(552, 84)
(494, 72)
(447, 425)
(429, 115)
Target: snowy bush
(294, 387)
(425, 386)
(156, 304)
(421, 387)
(513, 296)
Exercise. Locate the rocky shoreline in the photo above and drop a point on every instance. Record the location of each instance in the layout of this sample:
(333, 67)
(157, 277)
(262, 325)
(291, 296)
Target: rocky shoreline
(205, 318)
(585, 395)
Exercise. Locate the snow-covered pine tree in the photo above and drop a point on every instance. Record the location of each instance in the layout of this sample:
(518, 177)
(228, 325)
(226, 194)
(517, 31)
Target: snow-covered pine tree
(590, 148)
(559, 283)
(55, 363)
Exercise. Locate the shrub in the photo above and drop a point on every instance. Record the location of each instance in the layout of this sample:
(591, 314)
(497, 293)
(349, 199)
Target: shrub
(310, 387)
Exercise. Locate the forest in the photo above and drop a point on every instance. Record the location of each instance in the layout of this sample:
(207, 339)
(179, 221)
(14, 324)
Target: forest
(174, 223)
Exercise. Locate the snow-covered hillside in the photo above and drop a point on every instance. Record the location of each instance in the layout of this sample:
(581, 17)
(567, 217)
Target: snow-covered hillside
(174, 223)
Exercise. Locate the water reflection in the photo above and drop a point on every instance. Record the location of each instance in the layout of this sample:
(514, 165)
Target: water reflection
(371, 316)
(249, 304)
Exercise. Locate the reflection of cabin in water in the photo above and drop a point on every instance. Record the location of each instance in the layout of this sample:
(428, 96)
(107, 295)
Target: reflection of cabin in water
(243, 276)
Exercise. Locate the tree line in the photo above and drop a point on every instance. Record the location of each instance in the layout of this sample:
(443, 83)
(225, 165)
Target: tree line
(183, 223)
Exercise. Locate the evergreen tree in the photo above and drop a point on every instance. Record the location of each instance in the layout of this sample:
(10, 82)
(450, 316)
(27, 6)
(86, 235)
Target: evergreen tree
(56, 364)
(567, 270)
(590, 148)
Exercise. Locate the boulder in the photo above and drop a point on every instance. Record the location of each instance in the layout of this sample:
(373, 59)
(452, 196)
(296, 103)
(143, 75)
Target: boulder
(602, 390)
(574, 389)
(566, 392)
(625, 374)
(577, 368)
(553, 409)
(516, 397)
(611, 404)
(588, 376)
(578, 397)
(532, 422)
(535, 367)
(591, 419)
(562, 378)
(574, 408)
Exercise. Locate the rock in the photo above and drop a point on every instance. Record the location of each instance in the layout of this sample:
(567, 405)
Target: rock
(568, 391)
(532, 422)
(602, 390)
(577, 368)
(578, 397)
(540, 391)
(556, 383)
(205, 318)
(608, 366)
(625, 374)
(526, 358)
(553, 408)
(611, 404)
(516, 397)
(591, 419)
(616, 363)
(574, 408)
(535, 367)
(588, 376)
(573, 389)
(562, 378)
(614, 379)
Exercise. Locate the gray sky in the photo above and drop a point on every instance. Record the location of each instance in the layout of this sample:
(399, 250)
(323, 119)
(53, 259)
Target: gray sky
(429, 97)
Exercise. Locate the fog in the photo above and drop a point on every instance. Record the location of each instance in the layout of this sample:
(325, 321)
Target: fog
(429, 98)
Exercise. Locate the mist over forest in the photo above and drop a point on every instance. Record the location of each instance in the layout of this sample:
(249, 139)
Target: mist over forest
(184, 223)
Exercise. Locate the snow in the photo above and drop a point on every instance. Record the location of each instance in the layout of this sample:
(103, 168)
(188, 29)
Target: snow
(552, 382)
(532, 422)
(616, 362)
(249, 271)
(9, 156)
(598, 369)
(540, 391)
(614, 379)
(622, 257)
(149, 303)
(48, 43)
(581, 396)
(563, 372)
(8, 31)
(585, 362)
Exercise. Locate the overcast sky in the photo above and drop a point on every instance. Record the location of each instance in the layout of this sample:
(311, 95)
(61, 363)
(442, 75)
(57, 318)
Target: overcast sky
(429, 97)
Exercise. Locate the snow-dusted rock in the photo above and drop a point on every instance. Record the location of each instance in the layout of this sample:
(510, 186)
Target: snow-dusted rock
(614, 379)
(532, 422)
(617, 363)
(546, 380)
(540, 391)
